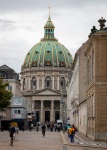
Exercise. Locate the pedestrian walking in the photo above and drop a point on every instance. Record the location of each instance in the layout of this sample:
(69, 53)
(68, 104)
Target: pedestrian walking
(31, 126)
(55, 126)
(58, 127)
(71, 133)
(43, 129)
(51, 127)
(1, 128)
(68, 127)
(37, 127)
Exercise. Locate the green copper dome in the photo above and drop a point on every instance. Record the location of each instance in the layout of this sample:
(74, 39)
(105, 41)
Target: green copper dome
(48, 52)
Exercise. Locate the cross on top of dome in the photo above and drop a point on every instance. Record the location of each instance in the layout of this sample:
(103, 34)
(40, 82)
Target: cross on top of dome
(49, 28)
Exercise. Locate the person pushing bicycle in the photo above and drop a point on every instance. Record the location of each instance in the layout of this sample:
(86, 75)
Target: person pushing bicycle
(12, 132)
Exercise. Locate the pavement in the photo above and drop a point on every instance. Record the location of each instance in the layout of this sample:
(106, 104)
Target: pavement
(34, 140)
(81, 142)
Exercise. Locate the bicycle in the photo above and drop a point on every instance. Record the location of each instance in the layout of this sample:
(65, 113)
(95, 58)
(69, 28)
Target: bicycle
(12, 138)
(11, 141)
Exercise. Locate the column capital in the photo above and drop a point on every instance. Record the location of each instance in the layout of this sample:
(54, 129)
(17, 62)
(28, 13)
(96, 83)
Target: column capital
(42, 100)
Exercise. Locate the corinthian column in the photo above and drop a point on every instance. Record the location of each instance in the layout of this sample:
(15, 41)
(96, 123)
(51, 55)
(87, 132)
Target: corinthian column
(33, 104)
(43, 82)
(42, 118)
(52, 111)
(53, 82)
(58, 87)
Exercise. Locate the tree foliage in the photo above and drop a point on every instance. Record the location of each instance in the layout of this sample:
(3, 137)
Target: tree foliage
(5, 95)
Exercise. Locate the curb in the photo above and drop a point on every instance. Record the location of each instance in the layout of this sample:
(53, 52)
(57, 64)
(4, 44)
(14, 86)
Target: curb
(63, 138)
(85, 146)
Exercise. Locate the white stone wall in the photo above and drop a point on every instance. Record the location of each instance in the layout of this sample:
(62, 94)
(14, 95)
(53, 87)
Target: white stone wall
(40, 78)
(37, 94)
(83, 117)
(72, 91)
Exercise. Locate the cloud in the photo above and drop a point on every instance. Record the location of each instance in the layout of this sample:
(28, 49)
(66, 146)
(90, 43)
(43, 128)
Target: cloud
(6, 24)
(35, 5)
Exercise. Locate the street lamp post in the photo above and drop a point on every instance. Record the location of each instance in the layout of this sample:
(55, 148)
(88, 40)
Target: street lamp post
(63, 102)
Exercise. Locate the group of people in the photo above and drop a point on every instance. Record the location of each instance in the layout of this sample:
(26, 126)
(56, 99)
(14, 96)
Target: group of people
(51, 127)
(71, 129)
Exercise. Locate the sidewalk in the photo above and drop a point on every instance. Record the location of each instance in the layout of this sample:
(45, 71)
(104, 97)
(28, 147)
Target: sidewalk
(81, 140)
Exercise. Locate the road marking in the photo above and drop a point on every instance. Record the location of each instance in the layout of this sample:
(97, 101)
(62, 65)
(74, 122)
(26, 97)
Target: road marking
(79, 138)
(64, 147)
(94, 144)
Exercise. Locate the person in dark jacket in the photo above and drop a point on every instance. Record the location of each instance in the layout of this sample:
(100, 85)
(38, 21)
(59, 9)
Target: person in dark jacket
(43, 129)
(12, 133)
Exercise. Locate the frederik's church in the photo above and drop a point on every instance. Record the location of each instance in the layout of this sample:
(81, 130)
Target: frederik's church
(57, 87)
(44, 75)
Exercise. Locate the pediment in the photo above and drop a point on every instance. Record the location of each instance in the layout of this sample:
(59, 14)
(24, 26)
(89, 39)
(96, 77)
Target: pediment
(47, 92)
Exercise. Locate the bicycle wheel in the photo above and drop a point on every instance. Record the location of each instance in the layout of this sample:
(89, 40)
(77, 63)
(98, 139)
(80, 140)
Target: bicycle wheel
(11, 142)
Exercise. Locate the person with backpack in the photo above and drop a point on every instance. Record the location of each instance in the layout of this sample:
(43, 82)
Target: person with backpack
(72, 133)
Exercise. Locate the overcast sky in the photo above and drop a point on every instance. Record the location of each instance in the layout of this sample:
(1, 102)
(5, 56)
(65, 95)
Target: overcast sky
(22, 22)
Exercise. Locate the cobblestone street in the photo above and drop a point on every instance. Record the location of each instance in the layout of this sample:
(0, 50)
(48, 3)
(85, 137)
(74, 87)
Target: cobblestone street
(32, 141)
(52, 141)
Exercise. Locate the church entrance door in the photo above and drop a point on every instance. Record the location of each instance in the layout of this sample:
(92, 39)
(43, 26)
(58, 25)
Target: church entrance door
(57, 115)
(37, 116)
(47, 116)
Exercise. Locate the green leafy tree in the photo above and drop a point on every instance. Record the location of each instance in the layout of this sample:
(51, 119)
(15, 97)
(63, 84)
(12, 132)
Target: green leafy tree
(5, 95)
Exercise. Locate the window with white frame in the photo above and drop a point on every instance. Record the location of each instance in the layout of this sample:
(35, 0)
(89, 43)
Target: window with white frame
(24, 84)
(10, 88)
(17, 101)
(17, 111)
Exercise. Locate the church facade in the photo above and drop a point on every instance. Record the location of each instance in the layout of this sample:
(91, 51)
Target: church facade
(44, 75)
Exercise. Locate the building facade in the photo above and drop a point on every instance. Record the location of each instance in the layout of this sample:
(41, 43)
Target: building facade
(82, 107)
(91, 60)
(76, 93)
(44, 75)
(18, 108)
(10, 76)
(73, 93)
(96, 55)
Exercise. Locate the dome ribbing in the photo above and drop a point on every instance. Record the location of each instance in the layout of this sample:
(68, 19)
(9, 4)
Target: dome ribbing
(48, 52)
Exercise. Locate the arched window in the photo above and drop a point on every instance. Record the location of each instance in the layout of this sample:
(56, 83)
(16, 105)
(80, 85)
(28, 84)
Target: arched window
(48, 83)
(24, 84)
(34, 83)
(62, 82)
